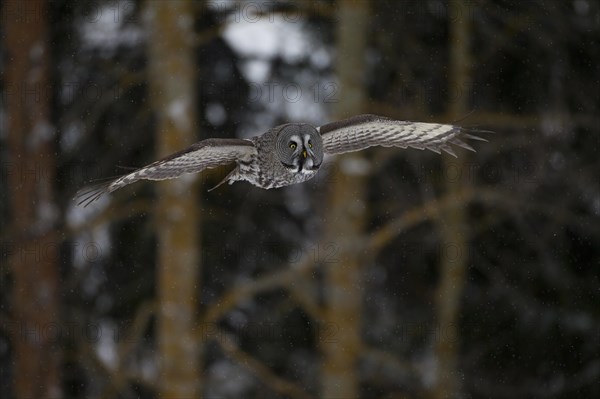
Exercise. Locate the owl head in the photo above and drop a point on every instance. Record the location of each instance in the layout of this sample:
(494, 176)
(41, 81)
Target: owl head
(299, 147)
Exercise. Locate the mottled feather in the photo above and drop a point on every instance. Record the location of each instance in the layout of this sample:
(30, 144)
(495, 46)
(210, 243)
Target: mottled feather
(291, 153)
(203, 155)
(364, 131)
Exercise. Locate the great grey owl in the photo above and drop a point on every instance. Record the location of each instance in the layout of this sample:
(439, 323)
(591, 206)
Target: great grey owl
(290, 153)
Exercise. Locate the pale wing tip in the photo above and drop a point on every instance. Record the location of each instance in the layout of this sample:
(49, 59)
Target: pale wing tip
(447, 149)
(467, 133)
(89, 194)
(463, 133)
(434, 149)
(473, 137)
(459, 143)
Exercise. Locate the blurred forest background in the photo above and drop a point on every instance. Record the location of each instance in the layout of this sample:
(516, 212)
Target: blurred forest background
(392, 274)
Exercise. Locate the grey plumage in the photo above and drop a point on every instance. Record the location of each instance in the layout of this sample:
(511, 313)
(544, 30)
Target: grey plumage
(290, 153)
(205, 154)
(364, 131)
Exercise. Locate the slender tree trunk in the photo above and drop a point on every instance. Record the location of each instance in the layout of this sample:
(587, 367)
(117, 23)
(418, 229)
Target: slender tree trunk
(341, 338)
(172, 82)
(34, 261)
(453, 226)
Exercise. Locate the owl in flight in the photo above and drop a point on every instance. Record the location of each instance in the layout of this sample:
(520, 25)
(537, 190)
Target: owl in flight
(290, 153)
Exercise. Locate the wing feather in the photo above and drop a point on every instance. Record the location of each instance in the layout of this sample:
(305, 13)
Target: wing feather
(203, 155)
(364, 131)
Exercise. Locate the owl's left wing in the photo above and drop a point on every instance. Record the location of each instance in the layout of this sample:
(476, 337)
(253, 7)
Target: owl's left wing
(203, 155)
(364, 131)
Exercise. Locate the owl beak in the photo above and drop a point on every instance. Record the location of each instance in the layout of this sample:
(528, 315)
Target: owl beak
(304, 154)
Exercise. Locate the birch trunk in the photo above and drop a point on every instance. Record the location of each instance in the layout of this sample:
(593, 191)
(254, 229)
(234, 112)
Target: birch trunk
(34, 259)
(453, 224)
(172, 83)
(341, 335)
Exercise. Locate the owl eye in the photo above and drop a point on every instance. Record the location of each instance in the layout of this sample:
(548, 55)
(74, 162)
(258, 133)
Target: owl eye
(309, 144)
(293, 145)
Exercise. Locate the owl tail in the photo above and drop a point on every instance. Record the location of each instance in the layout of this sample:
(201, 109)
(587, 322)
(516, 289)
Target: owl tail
(231, 177)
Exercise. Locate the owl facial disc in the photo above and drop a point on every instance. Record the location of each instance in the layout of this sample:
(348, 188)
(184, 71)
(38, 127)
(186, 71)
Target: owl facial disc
(300, 148)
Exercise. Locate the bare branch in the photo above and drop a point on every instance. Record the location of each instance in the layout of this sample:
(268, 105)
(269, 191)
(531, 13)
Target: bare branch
(281, 386)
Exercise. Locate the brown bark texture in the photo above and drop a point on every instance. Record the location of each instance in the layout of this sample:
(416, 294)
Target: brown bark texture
(453, 222)
(172, 82)
(340, 340)
(31, 175)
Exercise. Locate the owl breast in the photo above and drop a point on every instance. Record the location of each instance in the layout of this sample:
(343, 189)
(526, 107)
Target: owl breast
(291, 177)
(266, 170)
(272, 176)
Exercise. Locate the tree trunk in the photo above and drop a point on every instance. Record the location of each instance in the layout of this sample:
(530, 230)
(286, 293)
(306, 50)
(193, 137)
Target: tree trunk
(341, 334)
(173, 82)
(34, 259)
(453, 224)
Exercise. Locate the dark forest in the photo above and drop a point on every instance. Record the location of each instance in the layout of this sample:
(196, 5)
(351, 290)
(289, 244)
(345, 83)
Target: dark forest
(394, 273)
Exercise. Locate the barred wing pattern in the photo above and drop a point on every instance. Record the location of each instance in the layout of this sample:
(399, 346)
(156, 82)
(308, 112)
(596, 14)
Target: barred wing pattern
(364, 131)
(205, 154)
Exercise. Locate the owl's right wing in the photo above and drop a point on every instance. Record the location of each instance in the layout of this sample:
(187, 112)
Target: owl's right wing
(203, 155)
(364, 131)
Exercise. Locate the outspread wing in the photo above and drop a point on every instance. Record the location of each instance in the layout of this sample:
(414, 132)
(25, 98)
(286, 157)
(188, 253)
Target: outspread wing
(202, 155)
(364, 131)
